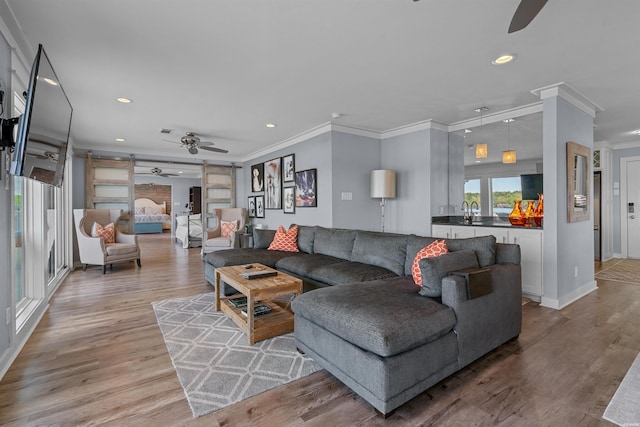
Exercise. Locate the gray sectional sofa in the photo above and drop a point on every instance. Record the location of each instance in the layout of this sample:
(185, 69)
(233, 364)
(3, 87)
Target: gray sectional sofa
(364, 320)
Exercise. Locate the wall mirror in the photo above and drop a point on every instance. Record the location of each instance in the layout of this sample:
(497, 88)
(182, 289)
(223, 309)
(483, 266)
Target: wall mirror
(578, 174)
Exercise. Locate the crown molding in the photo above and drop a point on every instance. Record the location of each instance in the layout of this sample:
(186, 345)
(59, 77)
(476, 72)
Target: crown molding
(318, 130)
(511, 113)
(414, 127)
(570, 95)
(625, 145)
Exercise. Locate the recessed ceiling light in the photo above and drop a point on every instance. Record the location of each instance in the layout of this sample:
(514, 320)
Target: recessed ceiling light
(478, 161)
(468, 131)
(50, 81)
(509, 120)
(270, 125)
(637, 132)
(504, 59)
(120, 139)
(124, 100)
(180, 172)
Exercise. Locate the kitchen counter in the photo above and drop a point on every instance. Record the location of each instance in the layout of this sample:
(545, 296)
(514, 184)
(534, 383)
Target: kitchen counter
(484, 221)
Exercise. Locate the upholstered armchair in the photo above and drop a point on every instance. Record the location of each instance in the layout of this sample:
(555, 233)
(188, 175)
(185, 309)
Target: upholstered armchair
(94, 250)
(217, 239)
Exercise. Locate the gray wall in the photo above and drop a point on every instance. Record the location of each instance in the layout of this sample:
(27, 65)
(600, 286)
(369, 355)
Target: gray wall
(6, 211)
(566, 246)
(179, 189)
(314, 153)
(353, 158)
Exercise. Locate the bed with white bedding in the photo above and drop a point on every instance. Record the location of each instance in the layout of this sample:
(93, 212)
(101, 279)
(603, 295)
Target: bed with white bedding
(151, 217)
(189, 230)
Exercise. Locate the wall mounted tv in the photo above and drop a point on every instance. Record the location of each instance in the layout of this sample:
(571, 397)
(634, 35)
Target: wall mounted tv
(43, 130)
(531, 186)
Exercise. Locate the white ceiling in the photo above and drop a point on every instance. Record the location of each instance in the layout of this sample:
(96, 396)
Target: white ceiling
(226, 68)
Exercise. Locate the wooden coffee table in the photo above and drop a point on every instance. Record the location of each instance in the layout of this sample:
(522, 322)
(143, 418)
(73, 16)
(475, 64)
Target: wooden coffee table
(277, 322)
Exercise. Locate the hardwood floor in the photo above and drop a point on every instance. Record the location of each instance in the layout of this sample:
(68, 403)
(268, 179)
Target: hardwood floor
(98, 357)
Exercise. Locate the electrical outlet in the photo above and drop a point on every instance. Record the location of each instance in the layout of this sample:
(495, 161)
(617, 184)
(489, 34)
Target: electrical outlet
(8, 316)
(575, 273)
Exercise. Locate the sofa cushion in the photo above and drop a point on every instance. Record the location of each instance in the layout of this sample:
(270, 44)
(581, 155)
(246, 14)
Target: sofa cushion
(437, 248)
(229, 257)
(306, 236)
(305, 263)
(120, 248)
(334, 242)
(285, 240)
(485, 247)
(262, 238)
(381, 249)
(434, 269)
(385, 317)
(349, 272)
(414, 245)
(218, 242)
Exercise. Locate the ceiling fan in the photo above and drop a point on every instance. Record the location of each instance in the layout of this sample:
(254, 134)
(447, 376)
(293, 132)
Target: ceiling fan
(192, 142)
(526, 11)
(47, 155)
(158, 172)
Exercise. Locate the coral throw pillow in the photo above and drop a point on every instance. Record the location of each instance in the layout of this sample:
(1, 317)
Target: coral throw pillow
(227, 228)
(285, 240)
(437, 248)
(107, 232)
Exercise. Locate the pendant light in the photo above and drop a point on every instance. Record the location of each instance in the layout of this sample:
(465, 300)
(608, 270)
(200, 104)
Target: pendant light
(509, 155)
(481, 149)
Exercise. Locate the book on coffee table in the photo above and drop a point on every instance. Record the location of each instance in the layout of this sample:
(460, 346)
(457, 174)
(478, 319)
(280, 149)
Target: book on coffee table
(258, 310)
(238, 302)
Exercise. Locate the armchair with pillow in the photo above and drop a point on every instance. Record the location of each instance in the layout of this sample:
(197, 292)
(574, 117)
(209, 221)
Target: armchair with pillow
(226, 235)
(99, 242)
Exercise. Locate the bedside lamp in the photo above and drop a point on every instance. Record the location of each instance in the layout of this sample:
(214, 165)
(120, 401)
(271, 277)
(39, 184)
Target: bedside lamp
(383, 186)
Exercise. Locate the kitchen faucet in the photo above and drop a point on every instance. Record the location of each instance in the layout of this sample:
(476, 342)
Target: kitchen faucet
(468, 212)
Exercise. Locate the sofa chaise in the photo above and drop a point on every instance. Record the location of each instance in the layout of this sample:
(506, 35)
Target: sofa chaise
(363, 318)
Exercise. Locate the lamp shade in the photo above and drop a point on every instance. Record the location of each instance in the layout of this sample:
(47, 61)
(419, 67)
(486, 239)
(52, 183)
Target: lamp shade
(509, 156)
(383, 184)
(481, 151)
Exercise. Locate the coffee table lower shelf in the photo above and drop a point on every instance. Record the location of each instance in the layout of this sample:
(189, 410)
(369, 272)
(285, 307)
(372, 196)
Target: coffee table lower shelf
(278, 321)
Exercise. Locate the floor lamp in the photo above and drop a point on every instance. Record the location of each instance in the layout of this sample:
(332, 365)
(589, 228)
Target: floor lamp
(383, 186)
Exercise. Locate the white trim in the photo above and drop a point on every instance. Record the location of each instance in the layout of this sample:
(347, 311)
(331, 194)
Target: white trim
(14, 349)
(573, 296)
(623, 203)
(625, 145)
(414, 127)
(355, 131)
(570, 95)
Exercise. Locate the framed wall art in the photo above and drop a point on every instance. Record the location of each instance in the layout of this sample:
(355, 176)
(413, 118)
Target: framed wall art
(259, 206)
(289, 168)
(257, 178)
(273, 184)
(252, 206)
(306, 188)
(289, 196)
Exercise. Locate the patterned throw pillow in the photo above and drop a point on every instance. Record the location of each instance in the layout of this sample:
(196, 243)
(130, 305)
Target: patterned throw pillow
(139, 211)
(107, 232)
(228, 227)
(285, 240)
(437, 248)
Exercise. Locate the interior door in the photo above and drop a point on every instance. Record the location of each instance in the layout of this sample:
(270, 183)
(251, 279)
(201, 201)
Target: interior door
(632, 214)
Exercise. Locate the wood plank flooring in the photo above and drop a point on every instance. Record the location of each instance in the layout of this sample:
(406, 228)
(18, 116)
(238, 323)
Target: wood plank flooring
(98, 358)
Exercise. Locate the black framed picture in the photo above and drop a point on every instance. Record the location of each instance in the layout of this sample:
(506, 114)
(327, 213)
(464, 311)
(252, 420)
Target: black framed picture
(259, 206)
(289, 168)
(273, 184)
(257, 178)
(306, 188)
(289, 197)
(252, 206)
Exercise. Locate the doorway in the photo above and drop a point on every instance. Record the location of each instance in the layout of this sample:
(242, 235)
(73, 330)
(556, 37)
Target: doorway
(630, 203)
(597, 207)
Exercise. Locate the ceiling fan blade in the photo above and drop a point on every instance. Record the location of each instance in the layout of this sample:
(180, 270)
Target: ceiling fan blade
(526, 11)
(217, 150)
(204, 143)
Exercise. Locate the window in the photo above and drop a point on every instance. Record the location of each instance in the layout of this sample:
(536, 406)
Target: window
(504, 193)
(472, 193)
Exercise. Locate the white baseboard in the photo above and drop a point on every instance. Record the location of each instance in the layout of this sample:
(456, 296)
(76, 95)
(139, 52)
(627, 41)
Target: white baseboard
(573, 296)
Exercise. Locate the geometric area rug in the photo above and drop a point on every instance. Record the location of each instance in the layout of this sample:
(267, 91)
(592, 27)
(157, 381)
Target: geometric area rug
(215, 364)
(624, 408)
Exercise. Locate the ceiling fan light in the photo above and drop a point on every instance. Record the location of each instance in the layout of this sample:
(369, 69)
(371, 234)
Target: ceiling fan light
(509, 156)
(481, 151)
(193, 149)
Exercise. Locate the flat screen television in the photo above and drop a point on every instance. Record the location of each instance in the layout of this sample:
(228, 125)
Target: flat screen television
(43, 130)
(531, 186)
